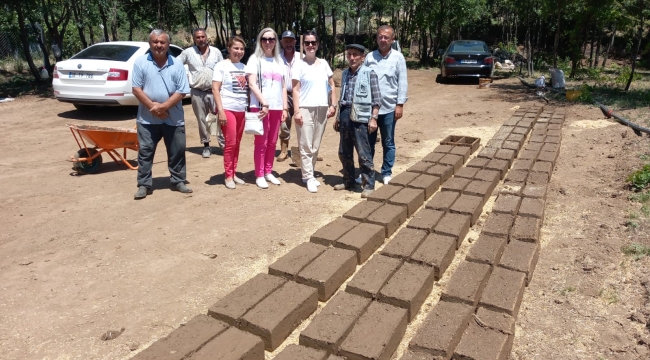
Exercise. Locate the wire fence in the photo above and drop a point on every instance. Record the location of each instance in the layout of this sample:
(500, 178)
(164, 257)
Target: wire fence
(11, 47)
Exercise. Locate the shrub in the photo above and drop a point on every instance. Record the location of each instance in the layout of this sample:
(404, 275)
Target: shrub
(640, 179)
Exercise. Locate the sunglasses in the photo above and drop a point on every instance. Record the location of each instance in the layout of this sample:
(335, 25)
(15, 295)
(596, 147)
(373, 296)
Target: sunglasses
(269, 40)
(308, 43)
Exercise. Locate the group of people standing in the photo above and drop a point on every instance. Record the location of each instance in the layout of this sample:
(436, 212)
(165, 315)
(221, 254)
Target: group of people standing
(281, 88)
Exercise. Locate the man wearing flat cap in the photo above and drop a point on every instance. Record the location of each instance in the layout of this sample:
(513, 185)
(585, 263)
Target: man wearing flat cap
(289, 58)
(357, 120)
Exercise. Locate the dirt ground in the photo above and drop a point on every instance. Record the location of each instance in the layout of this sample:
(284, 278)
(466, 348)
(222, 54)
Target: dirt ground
(79, 257)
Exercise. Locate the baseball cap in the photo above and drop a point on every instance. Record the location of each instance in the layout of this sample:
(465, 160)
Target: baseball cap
(288, 34)
(356, 46)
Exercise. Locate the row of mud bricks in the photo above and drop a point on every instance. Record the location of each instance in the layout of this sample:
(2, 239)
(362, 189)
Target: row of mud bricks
(370, 295)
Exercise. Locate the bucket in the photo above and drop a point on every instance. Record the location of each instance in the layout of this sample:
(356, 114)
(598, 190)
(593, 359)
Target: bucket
(572, 95)
(484, 83)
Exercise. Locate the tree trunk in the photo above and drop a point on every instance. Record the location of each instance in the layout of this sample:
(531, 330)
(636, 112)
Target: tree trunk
(609, 46)
(77, 9)
(556, 42)
(102, 14)
(600, 37)
(591, 47)
(24, 39)
(639, 37)
(114, 21)
(46, 53)
(333, 52)
(441, 19)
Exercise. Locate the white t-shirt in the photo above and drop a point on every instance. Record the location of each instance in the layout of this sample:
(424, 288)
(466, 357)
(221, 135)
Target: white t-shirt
(234, 85)
(314, 84)
(273, 74)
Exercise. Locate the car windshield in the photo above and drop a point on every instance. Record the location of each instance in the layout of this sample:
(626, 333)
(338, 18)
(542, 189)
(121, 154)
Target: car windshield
(107, 52)
(469, 48)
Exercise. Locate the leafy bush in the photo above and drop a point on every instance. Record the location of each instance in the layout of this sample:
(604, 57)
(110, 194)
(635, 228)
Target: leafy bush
(19, 66)
(640, 179)
(624, 75)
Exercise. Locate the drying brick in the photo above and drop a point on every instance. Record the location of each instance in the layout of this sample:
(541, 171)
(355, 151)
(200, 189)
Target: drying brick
(553, 139)
(521, 256)
(470, 205)
(512, 121)
(512, 145)
(329, 271)
(442, 329)
(232, 344)
(496, 320)
(487, 153)
(532, 207)
(453, 160)
(523, 164)
(436, 251)
(537, 178)
(478, 163)
(554, 126)
(498, 224)
(408, 287)
(479, 343)
(443, 200)
(466, 283)
(243, 298)
(389, 216)
(537, 139)
(420, 167)
(528, 154)
(534, 191)
(443, 149)
(456, 184)
(428, 183)
(404, 243)
(538, 133)
(482, 189)
(373, 275)
(411, 198)
(500, 135)
(330, 326)
(464, 151)
(433, 157)
(275, 317)
(185, 340)
(554, 133)
(333, 231)
(535, 146)
(295, 260)
(517, 138)
(505, 154)
(416, 355)
(548, 156)
(297, 352)
(507, 204)
(520, 130)
(526, 123)
(512, 188)
(466, 172)
(491, 176)
(548, 147)
(516, 176)
(376, 334)
(442, 171)
(362, 210)
(540, 126)
(487, 249)
(494, 144)
(404, 178)
(525, 229)
(364, 239)
(425, 219)
(454, 225)
(384, 193)
(334, 357)
(499, 165)
(504, 291)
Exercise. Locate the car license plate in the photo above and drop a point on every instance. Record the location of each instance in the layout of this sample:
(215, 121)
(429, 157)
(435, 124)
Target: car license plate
(468, 61)
(79, 75)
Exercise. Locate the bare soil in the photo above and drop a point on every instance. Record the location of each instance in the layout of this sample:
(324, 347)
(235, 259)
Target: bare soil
(79, 257)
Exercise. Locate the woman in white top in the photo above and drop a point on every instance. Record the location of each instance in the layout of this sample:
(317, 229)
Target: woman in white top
(230, 87)
(312, 84)
(271, 101)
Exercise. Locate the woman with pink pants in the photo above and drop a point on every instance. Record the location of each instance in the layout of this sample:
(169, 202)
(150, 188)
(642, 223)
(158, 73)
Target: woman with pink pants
(266, 65)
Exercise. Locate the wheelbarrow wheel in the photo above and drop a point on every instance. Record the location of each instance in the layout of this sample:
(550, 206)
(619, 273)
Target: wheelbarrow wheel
(84, 167)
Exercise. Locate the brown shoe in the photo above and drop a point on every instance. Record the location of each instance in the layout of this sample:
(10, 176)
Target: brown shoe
(284, 150)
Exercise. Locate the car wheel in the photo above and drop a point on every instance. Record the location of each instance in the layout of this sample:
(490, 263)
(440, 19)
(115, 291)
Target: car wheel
(441, 79)
(83, 107)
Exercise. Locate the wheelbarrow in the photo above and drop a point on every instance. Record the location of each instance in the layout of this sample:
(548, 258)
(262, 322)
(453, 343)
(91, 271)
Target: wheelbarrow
(95, 140)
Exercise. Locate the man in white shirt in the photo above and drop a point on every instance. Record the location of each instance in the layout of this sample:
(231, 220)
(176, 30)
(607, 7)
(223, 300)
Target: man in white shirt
(289, 58)
(201, 59)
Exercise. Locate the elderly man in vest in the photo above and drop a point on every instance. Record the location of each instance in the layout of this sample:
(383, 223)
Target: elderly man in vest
(357, 121)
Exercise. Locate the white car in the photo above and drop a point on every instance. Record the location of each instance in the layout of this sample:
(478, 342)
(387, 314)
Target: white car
(101, 74)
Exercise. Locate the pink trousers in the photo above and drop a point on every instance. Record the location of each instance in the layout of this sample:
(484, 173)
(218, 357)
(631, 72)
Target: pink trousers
(264, 153)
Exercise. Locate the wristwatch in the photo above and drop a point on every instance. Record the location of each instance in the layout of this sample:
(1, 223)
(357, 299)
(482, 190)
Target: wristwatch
(375, 117)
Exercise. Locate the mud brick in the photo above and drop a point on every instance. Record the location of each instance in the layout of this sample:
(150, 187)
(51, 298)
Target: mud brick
(443, 200)
(411, 198)
(480, 188)
(330, 326)
(436, 251)
(526, 123)
(528, 154)
(537, 139)
(494, 144)
(404, 243)
(512, 145)
(364, 239)
(521, 256)
(523, 164)
(373, 276)
(329, 271)
(456, 184)
(454, 225)
(554, 127)
(425, 219)
(488, 152)
(297, 352)
(516, 176)
(548, 147)
(534, 191)
(454, 160)
(556, 120)
(464, 151)
(498, 224)
(507, 128)
(445, 149)
(185, 340)
(500, 136)
(520, 130)
(384, 193)
(557, 133)
(530, 116)
(538, 132)
(504, 291)
(420, 167)
(444, 172)
(548, 156)
(466, 283)
(295, 260)
(517, 138)
(404, 178)
(333, 231)
(232, 344)
(487, 249)
(491, 176)
(442, 329)
(433, 157)
(501, 166)
(362, 210)
(389, 216)
(540, 126)
(512, 188)
(505, 154)
(275, 317)
(534, 146)
(416, 355)
(543, 167)
(553, 139)
(408, 288)
(470, 205)
(478, 163)
(512, 121)
(238, 302)
(428, 183)
(532, 207)
(376, 334)
(481, 343)
(496, 320)
(507, 204)
(466, 172)
(334, 357)
(537, 178)
(525, 229)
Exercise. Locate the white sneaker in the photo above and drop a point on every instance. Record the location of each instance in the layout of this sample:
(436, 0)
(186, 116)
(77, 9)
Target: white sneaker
(261, 183)
(305, 181)
(272, 179)
(311, 185)
(358, 180)
(387, 180)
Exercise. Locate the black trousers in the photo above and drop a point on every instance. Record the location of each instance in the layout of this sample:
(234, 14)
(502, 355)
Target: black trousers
(174, 137)
(355, 136)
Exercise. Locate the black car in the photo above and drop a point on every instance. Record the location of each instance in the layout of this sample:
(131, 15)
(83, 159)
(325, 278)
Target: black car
(467, 58)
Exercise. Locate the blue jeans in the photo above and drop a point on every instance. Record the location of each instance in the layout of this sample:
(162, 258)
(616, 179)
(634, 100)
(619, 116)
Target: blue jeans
(354, 135)
(386, 125)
